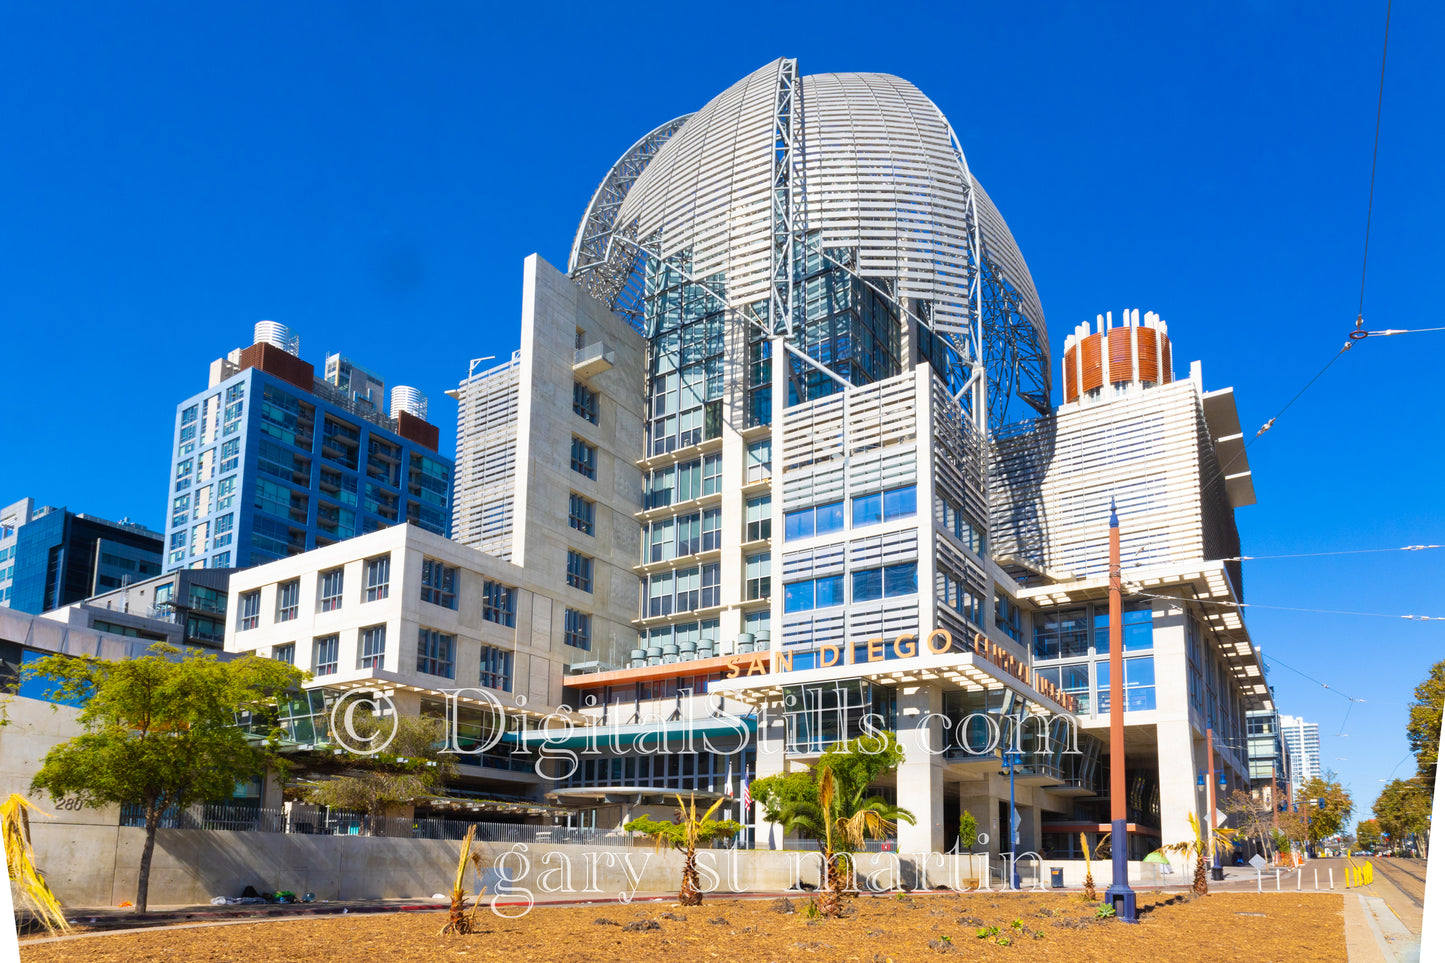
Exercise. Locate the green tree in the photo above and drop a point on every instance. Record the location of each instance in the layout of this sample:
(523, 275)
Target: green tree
(1367, 834)
(684, 835)
(411, 767)
(855, 765)
(1328, 804)
(160, 731)
(1252, 819)
(967, 830)
(1403, 808)
(1423, 728)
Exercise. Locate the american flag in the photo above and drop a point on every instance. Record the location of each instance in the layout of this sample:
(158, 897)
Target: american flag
(747, 792)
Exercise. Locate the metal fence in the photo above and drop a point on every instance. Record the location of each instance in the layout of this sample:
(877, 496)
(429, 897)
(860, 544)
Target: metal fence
(239, 817)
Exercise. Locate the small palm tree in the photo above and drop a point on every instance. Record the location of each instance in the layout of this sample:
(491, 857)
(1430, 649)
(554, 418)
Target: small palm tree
(1202, 847)
(1090, 893)
(459, 921)
(20, 861)
(684, 835)
(840, 824)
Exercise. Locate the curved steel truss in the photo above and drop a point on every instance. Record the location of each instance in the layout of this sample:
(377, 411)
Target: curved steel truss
(920, 225)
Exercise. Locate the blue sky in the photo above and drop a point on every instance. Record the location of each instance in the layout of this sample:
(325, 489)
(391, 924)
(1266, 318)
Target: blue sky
(373, 174)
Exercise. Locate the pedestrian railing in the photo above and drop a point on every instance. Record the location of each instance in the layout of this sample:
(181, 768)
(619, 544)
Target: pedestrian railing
(240, 817)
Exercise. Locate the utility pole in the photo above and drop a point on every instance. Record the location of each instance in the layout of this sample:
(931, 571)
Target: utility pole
(1215, 872)
(1118, 895)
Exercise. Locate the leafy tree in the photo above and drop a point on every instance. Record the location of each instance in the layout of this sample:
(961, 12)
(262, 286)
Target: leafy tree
(855, 765)
(1367, 834)
(1402, 808)
(684, 835)
(410, 768)
(1423, 729)
(1252, 819)
(1335, 807)
(1202, 847)
(159, 732)
(968, 830)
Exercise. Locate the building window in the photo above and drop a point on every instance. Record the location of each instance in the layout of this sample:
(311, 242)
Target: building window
(1006, 617)
(813, 593)
(499, 603)
(1138, 627)
(577, 629)
(711, 529)
(288, 600)
(250, 613)
(1138, 684)
(434, 651)
(496, 669)
(222, 560)
(230, 454)
(818, 520)
(325, 653)
(712, 474)
(760, 461)
(757, 623)
(373, 647)
(885, 506)
(584, 458)
(438, 583)
(330, 592)
(584, 402)
(378, 577)
(582, 514)
(758, 571)
(579, 571)
(870, 584)
(284, 653)
(189, 415)
(760, 518)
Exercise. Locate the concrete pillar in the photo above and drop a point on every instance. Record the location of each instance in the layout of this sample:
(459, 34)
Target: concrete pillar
(920, 778)
(771, 761)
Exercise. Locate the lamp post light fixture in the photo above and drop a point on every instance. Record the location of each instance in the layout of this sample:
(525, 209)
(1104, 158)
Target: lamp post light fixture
(1011, 759)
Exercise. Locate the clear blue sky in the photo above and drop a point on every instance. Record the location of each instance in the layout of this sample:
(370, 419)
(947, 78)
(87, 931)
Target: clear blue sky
(373, 174)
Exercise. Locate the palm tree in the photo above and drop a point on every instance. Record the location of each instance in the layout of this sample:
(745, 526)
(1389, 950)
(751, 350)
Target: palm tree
(34, 893)
(1202, 847)
(840, 824)
(684, 835)
(1090, 893)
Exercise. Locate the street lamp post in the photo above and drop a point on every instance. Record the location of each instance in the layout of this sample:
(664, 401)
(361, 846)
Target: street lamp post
(1011, 759)
(1119, 895)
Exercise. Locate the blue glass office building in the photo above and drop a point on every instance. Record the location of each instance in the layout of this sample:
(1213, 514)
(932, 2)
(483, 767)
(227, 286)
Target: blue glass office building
(271, 461)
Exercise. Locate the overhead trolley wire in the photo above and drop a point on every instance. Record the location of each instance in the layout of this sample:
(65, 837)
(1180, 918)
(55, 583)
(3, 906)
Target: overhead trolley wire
(1374, 162)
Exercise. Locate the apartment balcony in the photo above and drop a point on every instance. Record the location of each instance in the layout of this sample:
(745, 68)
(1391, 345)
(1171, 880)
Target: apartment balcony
(593, 359)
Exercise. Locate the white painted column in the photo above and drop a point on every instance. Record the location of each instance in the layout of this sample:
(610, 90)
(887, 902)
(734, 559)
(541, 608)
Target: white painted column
(920, 778)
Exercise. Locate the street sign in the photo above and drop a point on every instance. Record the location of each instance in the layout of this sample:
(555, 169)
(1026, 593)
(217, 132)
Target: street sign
(1258, 862)
(1220, 818)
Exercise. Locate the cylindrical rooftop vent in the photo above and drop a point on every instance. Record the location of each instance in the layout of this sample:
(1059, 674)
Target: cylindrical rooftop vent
(277, 335)
(408, 399)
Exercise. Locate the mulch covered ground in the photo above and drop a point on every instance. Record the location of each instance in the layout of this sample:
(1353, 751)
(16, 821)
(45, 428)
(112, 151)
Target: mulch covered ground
(1245, 927)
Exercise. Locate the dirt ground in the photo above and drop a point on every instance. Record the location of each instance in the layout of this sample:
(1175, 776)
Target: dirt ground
(1249, 928)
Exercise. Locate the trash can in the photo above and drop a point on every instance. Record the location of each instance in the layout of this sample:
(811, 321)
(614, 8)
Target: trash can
(1056, 877)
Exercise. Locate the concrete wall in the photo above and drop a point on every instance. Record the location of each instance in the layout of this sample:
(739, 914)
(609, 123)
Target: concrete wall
(96, 866)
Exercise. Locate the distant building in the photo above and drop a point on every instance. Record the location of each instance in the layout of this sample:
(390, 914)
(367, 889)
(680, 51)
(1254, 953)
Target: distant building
(51, 557)
(181, 608)
(1302, 740)
(271, 461)
(1269, 759)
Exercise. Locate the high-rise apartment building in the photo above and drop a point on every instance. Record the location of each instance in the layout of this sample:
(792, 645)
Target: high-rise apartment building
(1302, 740)
(51, 557)
(271, 461)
